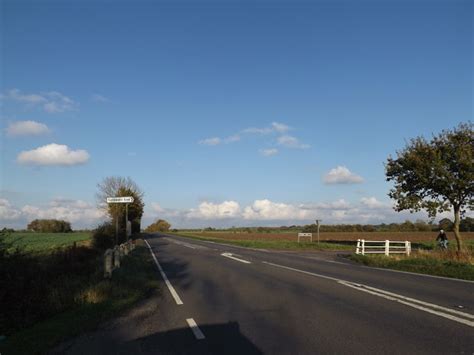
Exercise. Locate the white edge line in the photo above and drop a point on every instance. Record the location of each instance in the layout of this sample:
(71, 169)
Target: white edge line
(194, 327)
(428, 310)
(384, 295)
(414, 273)
(167, 282)
(229, 255)
(408, 299)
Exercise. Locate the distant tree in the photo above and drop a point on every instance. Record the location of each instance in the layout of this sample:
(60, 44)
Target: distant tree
(467, 225)
(446, 224)
(117, 186)
(49, 226)
(436, 175)
(159, 226)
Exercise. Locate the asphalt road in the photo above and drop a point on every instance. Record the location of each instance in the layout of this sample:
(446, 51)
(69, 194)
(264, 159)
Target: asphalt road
(220, 299)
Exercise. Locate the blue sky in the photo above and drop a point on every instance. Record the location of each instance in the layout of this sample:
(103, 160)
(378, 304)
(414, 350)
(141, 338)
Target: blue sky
(224, 112)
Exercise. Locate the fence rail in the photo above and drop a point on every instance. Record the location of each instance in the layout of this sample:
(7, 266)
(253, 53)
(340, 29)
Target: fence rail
(386, 247)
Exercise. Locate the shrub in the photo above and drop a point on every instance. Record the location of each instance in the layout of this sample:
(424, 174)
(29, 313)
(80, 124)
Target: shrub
(104, 236)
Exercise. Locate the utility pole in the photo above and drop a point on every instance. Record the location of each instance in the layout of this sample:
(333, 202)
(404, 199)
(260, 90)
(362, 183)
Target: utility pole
(317, 225)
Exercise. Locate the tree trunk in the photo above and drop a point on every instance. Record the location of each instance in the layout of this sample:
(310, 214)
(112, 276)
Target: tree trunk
(457, 221)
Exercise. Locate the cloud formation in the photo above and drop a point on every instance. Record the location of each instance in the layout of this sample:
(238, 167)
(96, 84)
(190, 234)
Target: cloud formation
(53, 154)
(291, 142)
(80, 214)
(50, 102)
(27, 128)
(277, 128)
(342, 175)
(268, 152)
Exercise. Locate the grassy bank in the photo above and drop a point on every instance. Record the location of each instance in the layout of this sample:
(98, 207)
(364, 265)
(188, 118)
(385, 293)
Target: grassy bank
(44, 242)
(73, 301)
(446, 264)
(271, 243)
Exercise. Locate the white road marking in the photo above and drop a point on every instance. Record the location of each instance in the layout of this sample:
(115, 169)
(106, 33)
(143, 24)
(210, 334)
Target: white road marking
(416, 274)
(230, 256)
(440, 311)
(167, 282)
(194, 327)
(400, 299)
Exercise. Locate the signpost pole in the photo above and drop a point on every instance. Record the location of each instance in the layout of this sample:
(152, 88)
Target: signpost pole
(126, 221)
(116, 229)
(120, 199)
(317, 224)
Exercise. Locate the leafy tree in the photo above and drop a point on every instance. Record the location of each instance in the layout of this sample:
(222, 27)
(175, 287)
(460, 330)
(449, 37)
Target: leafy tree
(49, 226)
(159, 226)
(436, 175)
(116, 186)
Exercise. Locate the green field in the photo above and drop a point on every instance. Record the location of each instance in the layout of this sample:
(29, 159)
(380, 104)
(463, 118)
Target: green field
(44, 242)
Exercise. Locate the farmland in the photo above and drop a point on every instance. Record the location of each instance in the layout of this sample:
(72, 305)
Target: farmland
(332, 236)
(44, 242)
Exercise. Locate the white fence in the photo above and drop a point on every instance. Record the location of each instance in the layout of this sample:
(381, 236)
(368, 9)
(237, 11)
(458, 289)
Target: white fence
(386, 247)
(309, 235)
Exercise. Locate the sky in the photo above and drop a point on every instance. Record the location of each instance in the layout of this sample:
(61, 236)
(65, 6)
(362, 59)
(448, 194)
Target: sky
(225, 113)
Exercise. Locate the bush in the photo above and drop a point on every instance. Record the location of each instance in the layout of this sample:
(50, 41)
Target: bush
(49, 226)
(104, 236)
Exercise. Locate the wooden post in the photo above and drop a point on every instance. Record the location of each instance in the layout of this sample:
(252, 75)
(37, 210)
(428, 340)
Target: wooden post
(108, 263)
(387, 247)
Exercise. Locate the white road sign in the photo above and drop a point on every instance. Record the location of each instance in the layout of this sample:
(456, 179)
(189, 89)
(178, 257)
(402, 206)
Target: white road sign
(127, 199)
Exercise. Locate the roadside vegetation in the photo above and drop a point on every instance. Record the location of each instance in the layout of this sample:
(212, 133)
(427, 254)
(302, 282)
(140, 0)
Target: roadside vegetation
(48, 295)
(52, 282)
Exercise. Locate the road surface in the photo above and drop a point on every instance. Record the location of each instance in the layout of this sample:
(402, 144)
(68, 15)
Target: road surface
(220, 299)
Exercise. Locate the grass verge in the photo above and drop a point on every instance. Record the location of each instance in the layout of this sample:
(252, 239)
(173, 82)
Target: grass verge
(430, 263)
(96, 301)
(271, 244)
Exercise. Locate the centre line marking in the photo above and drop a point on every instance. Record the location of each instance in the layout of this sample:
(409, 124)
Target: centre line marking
(230, 256)
(194, 327)
(167, 282)
(431, 308)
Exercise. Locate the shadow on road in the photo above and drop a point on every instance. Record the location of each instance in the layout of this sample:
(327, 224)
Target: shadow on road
(220, 339)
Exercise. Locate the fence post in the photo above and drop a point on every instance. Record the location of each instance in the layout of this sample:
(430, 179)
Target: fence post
(116, 257)
(108, 263)
(408, 247)
(358, 247)
(363, 246)
(387, 247)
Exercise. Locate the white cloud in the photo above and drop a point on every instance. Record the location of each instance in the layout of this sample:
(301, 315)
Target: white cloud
(80, 214)
(51, 102)
(7, 211)
(291, 142)
(342, 175)
(371, 203)
(209, 210)
(232, 139)
(210, 141)
(268, 210)
(53, 154)
(275, 127)
(26, 128)
(99, 98)
(268, 152)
